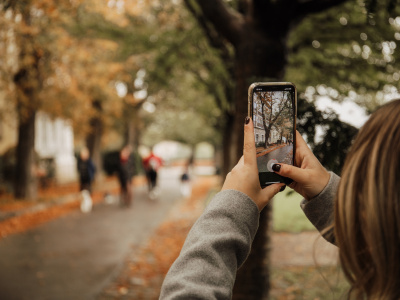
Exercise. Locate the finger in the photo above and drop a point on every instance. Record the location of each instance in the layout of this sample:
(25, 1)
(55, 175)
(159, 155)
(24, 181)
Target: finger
(271, 190)
(295, 173)
(301, 143)
(302, 149)
(249, 147)
(299, 139)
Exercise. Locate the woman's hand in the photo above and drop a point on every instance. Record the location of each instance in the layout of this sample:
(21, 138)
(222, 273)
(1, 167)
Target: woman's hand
(244, 176)
(309, 176)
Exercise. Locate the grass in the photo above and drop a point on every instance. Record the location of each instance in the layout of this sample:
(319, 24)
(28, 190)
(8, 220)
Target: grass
(301, 282)
(287, 214)
(311, 282)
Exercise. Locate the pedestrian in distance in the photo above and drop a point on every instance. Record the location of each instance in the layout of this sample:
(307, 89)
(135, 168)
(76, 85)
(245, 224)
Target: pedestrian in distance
(359, 213)
(185, 187)
(151, 165)
(126, 169)
(86, 170)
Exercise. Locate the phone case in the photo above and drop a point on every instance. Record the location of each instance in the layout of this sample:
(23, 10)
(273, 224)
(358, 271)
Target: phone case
(274, 126)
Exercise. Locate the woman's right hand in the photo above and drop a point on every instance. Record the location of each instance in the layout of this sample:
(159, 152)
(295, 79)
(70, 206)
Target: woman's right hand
(309, 176)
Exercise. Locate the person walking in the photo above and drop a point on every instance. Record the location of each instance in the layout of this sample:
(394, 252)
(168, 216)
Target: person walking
(185, 186)
(151, 165)
(86, 170)
(126, 169)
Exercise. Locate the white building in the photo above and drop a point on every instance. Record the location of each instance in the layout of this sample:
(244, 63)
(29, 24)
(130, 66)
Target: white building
(54, 139)
(259, 131)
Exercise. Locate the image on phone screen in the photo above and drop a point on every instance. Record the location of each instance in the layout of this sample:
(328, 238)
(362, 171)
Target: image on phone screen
(274, 129)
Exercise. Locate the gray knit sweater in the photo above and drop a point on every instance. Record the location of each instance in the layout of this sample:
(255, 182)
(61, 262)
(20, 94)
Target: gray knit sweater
(220, 241)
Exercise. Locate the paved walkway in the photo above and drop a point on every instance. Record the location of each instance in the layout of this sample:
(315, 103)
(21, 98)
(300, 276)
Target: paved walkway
(75, 256)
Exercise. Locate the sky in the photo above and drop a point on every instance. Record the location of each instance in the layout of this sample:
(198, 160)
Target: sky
(347, 110)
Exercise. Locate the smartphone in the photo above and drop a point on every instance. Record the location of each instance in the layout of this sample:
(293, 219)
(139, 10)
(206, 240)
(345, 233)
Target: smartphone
(273, 107)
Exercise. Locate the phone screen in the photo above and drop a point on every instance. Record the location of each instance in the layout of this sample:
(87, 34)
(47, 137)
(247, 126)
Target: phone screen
(273, 109)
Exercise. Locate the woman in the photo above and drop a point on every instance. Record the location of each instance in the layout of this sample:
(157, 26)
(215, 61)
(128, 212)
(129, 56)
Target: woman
(86, 170)
(366, 215)
(126, 169)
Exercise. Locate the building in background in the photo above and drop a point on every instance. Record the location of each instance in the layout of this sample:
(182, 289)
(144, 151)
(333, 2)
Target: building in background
(54, 145)
(259, 131)
(54, 142)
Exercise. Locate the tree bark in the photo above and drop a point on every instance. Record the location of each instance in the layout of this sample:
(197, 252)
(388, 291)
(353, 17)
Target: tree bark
(257, 59)
(252, 280)
(132, 130)
(25, 184)
(266, 128)
(28, 82)
(227, 144)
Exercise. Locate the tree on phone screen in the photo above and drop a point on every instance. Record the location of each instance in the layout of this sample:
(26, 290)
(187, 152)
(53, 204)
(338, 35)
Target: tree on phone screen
(276, 108)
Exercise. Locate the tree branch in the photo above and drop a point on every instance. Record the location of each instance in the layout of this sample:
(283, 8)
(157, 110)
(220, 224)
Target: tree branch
(213, 37)
(226, 21)
(305, 7)
(245, 7)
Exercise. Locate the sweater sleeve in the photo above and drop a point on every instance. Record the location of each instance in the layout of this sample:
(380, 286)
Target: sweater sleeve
(319, 210)
(216, 246)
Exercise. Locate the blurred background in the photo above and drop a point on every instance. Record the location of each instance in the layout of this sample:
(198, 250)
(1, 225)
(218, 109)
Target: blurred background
(171, 76)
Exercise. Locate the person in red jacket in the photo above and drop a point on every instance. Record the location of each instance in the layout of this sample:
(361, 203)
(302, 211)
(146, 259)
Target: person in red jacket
(151, 164)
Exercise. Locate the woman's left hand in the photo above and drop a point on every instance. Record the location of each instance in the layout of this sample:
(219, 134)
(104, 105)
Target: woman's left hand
(244, 176)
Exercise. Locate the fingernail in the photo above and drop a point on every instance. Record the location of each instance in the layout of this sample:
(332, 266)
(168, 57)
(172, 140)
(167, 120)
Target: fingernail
(282, 188)
(247, 120)
(276, 167)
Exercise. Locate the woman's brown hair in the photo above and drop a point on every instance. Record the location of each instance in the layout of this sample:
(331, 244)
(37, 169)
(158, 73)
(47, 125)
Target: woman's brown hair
(367, 208)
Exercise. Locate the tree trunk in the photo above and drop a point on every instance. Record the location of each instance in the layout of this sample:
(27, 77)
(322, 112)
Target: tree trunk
(132, 133)
(93, 140)
(227, 145)
(25, 184)
(267, 128)
(218, 157)
(252, 280)
(28, 82)
(267, 133)
(258, 58)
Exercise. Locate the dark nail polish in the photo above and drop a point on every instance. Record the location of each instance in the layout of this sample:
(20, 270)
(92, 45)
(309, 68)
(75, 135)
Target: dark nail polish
(247, 120)
(282, 188)
(276, 167)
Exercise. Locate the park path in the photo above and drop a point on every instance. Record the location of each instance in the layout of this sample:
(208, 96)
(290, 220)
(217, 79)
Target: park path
(82, 256)
(75, 256)
(281, 154)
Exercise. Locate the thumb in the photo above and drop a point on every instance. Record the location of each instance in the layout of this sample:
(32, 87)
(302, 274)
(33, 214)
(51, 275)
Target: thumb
(297, 174)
